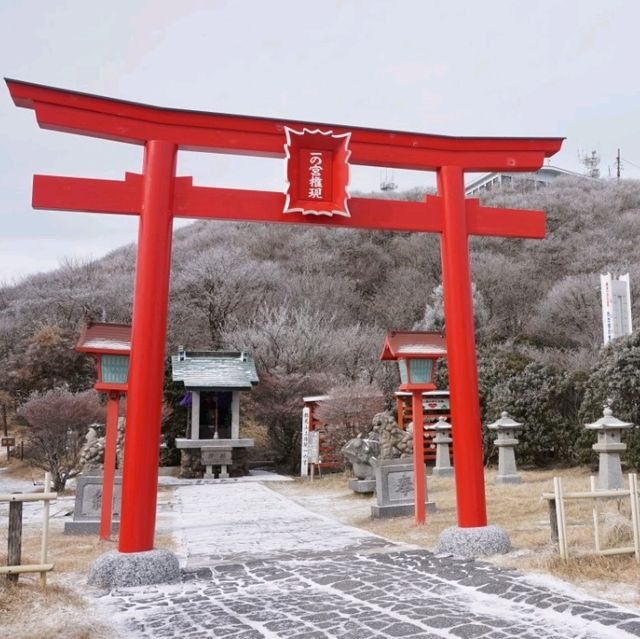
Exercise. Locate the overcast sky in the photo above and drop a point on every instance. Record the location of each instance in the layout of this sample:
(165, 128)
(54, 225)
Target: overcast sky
(497, 67)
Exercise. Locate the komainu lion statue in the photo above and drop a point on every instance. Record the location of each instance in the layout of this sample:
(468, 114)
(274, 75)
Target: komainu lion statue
(384, 441)
(359, 452)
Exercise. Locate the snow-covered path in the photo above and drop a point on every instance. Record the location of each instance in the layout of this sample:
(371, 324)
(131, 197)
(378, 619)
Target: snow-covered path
(258, 565)
(247, 522)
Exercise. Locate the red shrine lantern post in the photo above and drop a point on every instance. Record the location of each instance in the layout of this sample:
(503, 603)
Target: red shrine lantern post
(110, 345)
(158, 196)
(417, 353)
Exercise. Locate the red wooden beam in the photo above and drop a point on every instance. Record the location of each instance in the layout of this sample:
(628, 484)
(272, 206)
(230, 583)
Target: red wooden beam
(265, 206)
(90, 195)
(124, 197)
(124, 121)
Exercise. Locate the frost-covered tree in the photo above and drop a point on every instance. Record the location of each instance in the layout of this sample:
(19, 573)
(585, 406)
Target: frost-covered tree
(615, 380)
(434, 318)
(48, 360)
(57, 425)
(570, 314)
(351, 406)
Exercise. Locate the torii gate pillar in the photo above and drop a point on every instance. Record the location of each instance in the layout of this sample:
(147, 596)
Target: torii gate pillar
(461, 349)
(148, 335)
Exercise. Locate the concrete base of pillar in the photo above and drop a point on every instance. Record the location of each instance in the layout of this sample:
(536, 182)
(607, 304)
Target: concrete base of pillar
(116, 569)
(399, 510)
(473, 542)
(508, 479)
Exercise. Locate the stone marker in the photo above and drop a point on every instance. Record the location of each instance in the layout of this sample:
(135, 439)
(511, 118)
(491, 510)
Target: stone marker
(609, 447)
(394, 489)
(88, 505)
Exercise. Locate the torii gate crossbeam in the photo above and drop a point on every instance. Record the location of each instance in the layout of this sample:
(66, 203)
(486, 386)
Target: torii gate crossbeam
(158, 196)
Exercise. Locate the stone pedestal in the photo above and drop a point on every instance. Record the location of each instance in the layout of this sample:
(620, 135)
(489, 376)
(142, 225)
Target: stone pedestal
(231, 462)
(216, 457)
(362, 485)
(394, 489)
(88, 506)
(505, 442)
(609, 447)
(442, 440)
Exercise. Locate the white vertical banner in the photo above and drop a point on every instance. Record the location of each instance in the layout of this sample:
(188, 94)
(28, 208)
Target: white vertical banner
(607, 307)
(304, 453)
(616, 307)
(624, 284)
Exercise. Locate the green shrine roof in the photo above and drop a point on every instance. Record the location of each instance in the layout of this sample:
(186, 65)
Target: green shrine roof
(214, 370)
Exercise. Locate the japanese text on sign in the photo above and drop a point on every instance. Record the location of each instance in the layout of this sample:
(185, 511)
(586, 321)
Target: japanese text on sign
(317, 171)
(315, 175)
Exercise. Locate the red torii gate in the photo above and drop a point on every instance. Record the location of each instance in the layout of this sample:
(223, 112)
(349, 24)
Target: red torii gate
(158, 196)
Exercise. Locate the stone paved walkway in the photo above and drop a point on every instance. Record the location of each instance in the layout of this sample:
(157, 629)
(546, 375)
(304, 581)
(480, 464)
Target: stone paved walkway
(257, 565)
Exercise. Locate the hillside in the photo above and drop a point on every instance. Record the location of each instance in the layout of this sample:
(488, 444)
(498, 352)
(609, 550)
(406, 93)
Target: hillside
(313, 304)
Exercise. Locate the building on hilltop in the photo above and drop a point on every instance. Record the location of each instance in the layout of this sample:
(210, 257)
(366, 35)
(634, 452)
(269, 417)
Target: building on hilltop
(540, 178)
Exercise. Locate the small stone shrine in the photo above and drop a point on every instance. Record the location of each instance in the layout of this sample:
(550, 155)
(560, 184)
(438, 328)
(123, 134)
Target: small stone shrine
(213, 380)
(506, 442)
(442, 440)
(609, 446)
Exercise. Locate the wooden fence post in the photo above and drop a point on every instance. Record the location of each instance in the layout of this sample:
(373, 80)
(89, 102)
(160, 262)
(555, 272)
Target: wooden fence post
(553, 519)
(14, 549)
(635, 515)
(45, 529)
(596, 516)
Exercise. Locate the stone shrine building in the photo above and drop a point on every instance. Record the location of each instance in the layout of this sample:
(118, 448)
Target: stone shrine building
(213, 381)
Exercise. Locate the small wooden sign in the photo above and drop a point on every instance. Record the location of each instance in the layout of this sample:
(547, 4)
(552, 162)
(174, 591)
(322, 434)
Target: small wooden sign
(314, 447)
(8, 441)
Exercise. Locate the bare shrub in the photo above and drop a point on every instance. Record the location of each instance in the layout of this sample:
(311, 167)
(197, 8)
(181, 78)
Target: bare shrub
(58, 422)
(352, 406)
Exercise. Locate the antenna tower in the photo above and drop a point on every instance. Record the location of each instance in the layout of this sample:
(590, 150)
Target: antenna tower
(591, 162)
(387, 184)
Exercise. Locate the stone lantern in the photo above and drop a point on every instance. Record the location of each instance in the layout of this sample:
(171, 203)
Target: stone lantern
(442, 440)
(506, 442)
(609, 447)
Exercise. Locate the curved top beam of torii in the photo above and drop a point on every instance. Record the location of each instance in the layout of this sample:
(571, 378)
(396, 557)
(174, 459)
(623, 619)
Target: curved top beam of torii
(119, 120)
(123, 121)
